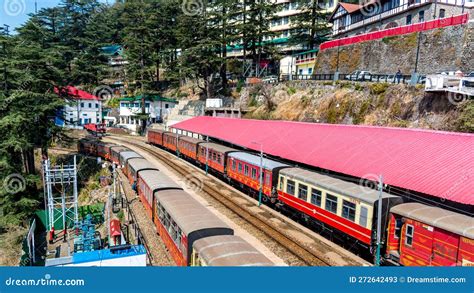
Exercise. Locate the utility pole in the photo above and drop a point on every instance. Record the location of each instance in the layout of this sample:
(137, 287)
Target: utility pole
(414, 76)
(379, 221)
(207, 154)
(260, 179)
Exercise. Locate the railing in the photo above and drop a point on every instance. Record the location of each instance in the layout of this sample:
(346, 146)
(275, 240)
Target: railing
(402, 30)
(387, 78)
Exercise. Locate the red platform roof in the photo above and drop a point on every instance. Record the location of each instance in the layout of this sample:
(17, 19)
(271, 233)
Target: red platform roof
(77, 93)
(431, 162)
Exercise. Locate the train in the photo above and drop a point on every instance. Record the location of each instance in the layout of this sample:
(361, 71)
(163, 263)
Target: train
(192, 234)
(412, 234)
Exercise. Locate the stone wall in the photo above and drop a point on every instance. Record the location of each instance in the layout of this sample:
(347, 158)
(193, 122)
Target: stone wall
(449, 48)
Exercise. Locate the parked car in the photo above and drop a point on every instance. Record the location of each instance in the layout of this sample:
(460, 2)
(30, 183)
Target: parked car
(471, 74)
(270, 79)
(360, 75)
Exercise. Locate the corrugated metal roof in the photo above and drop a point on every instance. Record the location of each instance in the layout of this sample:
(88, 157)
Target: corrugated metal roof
(124, 156)
(437, 217)
(138, 164)
(255, 160)
(217, 147)
(229, 250)
(158, 180)
(188, 213)
(432, 162)
(338, 186)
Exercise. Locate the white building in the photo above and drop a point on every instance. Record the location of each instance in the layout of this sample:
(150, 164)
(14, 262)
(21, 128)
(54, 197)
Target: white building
(81, 108)
(156, 107)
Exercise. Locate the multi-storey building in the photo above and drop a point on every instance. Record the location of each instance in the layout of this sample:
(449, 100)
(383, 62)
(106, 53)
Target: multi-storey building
(282, 26)
(156, 107)
(354, 19)
(80, 109)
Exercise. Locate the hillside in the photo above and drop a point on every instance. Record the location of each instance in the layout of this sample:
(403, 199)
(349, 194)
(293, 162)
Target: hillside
(369, 104)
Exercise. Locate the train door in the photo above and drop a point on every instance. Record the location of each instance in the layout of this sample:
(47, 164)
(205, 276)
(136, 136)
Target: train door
(394, 234)
(445, 248)
(416, 243)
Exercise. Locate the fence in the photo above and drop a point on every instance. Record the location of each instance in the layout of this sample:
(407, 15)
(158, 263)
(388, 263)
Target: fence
(388, 78)
(402, 30)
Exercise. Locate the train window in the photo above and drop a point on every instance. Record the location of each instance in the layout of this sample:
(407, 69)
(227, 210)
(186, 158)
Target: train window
(219, 158)
(282, 182)
(233, 165)
(398, 227)
(267, 178)
(246, 170)
(316, 197)
(290, 187)
(303, 192)
(363, 216)
(240, 167)
(254, 173)
(214, 156)
(409, 235)
(331, 203)
(348, 210)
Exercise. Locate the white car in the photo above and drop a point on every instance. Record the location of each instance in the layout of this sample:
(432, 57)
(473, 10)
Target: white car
(360, 75)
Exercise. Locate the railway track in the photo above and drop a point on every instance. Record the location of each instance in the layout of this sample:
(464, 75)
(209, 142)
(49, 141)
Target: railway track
(311, 256)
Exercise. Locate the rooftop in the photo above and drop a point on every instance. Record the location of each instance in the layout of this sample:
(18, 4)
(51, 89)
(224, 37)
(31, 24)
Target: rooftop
(436, 163)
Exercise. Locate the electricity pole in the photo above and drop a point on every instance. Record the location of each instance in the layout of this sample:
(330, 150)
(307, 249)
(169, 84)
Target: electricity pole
(379, 221)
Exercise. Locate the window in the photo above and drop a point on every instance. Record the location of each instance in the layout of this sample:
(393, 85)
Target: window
(303, 192)
(348, 210)
(82, 105)
(442, 13)
(213, 156)
(267, 178)
(254, 173)
(398, 228)
(310, 71)
(363, 216)
(421, 16)
(331, 203)
(166, 106)
(282, 182)
(219, 158)
(316, 197)
(409, 235)
(90, 105)
(233, 165)
(290, 187)
(97, 105)
(246, 170)
(240, 167)
(408, 19)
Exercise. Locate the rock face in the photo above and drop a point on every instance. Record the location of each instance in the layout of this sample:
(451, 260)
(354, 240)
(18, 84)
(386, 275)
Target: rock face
(449, 48)
(380, 104)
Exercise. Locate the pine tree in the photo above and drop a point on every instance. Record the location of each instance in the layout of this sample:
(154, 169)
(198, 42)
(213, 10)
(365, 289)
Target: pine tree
(311, 26)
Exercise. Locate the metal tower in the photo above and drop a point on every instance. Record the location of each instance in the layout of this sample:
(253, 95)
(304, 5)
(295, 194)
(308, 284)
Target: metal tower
(64, 180)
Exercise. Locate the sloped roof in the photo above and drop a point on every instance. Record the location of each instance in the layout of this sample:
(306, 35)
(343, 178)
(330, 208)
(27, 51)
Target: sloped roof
(436, 163)
(76, 93)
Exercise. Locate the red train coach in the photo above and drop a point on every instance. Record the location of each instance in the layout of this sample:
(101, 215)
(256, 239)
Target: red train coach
(115, 153)
(335, 204)
(216, 155)
(188, 146)
(421, 235)
(135, 166)
(181, 220)
(103, 149)
(87, 146)
(170, 141)
(150, 183)
(155, 136)
(245, 169)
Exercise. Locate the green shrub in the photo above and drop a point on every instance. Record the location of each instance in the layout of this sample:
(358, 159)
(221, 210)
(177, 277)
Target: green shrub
(378, 88)
(291, 90)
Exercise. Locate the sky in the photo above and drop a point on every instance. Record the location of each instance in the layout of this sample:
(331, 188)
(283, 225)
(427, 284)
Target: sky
(15, 12)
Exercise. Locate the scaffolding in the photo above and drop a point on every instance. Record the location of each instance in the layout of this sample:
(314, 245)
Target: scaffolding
(62, 179)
